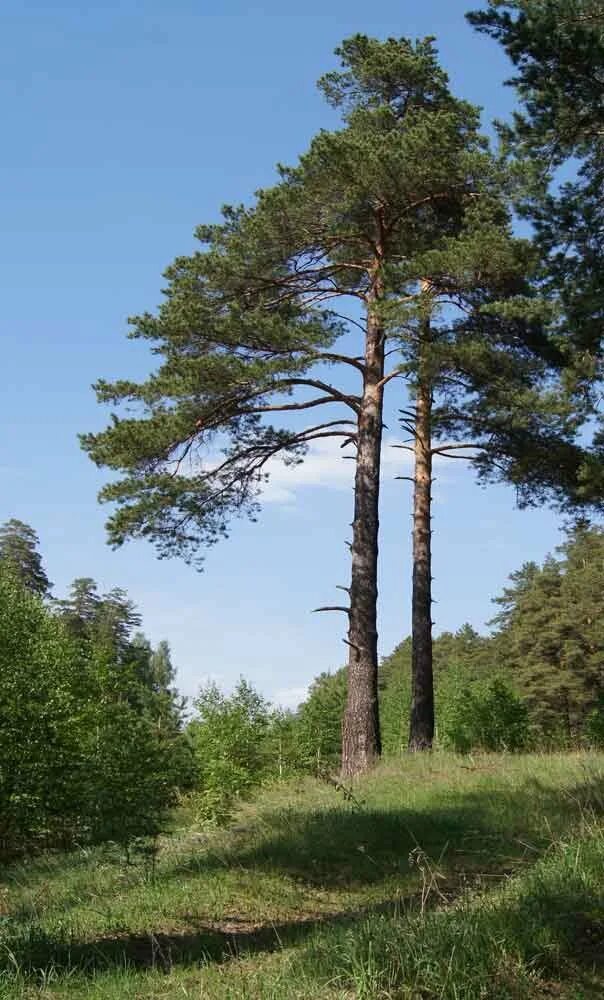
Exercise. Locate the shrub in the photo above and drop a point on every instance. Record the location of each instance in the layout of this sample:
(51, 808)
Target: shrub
(478, 715)
(230, 745)
(83, 756)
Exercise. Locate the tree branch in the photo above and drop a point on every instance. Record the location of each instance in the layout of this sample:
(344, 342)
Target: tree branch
(445, 449)
(279, 408)
(335, 607)
(350, 400)
(343, 358)
(388, 378)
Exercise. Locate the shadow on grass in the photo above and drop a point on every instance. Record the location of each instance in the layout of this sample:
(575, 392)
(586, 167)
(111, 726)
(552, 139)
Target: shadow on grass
(201, 946)
(492, 830)
(487, 831)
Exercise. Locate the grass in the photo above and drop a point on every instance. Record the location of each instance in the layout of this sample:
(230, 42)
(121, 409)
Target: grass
(446, 877)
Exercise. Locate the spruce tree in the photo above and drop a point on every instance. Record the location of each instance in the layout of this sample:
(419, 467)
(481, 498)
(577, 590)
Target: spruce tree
(19, 555)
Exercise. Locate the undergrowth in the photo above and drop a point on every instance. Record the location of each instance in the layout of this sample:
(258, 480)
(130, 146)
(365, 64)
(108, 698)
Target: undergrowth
(440, 877)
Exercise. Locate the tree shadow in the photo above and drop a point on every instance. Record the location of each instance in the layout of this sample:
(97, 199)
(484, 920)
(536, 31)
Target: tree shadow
(486, 829)
(206, 943)
(483, 831)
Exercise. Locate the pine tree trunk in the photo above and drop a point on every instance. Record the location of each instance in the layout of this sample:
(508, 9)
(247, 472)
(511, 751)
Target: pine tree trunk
(421, 732)
(361, 743)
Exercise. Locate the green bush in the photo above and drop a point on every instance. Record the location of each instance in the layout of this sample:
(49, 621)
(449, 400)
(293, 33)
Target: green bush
(84, 755)
(230, 742)
(479, 715)
(319, 724)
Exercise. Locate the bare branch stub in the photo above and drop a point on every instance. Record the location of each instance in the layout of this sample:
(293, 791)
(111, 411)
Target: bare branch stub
(334, 607)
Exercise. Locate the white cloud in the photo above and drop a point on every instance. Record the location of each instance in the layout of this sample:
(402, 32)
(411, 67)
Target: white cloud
(325, 466)
(290, 697)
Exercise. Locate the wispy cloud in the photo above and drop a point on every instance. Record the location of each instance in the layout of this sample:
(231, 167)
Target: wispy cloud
(290, 697)
(325, 466)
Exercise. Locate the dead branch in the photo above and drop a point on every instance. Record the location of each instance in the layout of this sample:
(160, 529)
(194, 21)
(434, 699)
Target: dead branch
(334, 607)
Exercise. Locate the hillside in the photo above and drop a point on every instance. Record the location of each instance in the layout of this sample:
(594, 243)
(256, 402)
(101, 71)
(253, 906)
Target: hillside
(441, 877)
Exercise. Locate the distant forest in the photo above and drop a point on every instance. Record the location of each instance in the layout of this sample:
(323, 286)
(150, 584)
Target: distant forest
(96, 743)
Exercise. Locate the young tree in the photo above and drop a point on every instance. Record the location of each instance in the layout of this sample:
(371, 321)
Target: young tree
(82, 757)
(249, 326)
(229, 736)
(458, 658)
(19, 554)
(163, 672)
(319, 723)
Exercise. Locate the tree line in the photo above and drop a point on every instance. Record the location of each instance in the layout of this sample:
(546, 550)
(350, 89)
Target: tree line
(96, 744)
(536, 682)
(92, 743)
(386, 260)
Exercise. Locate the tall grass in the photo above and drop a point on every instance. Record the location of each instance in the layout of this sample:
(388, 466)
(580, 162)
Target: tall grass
(443, 877)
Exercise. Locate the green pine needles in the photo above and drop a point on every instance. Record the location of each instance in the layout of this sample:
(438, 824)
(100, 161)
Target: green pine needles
(385, 254)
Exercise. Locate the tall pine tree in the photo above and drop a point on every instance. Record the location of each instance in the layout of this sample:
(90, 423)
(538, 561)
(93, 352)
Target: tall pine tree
(379, 224)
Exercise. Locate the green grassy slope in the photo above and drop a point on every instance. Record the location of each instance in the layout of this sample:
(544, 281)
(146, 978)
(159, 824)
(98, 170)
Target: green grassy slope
(444, 877)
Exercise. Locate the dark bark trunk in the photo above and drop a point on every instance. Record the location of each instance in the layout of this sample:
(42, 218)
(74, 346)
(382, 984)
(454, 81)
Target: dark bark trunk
(421, 731)
(361, 743)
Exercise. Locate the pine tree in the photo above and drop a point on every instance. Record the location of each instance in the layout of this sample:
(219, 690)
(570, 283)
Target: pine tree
(250, 324)
(551, 634)
(19, 554)
(557, 49)
(104, 618)
(491, 381)
(115, 620)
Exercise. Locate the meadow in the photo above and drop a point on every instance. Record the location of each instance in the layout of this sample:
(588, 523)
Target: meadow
(434, 876)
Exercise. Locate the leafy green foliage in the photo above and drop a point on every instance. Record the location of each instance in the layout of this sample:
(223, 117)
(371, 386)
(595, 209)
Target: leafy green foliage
(232, 738)
(460, 658)
(88, 752)
(488, 716)
(319, 723)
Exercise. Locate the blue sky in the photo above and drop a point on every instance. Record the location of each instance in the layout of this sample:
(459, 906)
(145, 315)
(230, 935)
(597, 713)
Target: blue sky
(124, 125)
